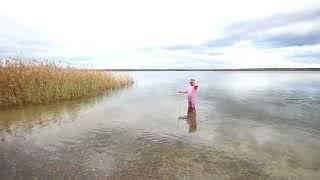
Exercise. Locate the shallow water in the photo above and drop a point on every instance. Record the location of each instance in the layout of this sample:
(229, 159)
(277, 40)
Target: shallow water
(248, 125)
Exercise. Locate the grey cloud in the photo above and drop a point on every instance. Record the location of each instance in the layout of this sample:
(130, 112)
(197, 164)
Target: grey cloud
(17, 47)
(179, 47)
(196, 63)
(225, 41)
(306, 60)
(34, 45)
(287, 39)
(307, 57)
(276, 31)
(243, 28)
(257, 32)
(212, 53)
(16, 39)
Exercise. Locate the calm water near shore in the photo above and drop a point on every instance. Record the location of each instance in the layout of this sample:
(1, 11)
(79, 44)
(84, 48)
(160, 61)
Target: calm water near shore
(248, 125)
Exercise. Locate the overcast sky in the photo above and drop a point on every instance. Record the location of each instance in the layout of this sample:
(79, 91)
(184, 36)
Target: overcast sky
(164, 33)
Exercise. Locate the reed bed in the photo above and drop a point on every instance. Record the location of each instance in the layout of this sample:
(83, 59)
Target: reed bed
(39, 81)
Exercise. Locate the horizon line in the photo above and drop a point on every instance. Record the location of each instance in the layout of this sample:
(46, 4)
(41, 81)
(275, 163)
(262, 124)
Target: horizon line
(203, 69)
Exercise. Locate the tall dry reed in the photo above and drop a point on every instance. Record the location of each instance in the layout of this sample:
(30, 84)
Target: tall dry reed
(35, 82)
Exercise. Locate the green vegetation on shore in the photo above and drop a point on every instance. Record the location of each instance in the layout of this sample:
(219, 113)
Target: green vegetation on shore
(36, 82)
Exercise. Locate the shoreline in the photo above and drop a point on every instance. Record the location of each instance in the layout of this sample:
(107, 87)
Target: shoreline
(245, 69)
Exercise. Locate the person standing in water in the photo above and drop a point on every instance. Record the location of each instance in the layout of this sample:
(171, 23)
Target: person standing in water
(192, 93)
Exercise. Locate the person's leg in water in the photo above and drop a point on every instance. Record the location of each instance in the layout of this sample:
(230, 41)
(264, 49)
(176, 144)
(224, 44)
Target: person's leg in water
(192, 121)
(191, 107)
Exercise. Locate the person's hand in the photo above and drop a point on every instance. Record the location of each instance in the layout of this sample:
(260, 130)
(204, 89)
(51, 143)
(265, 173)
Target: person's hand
(195, 84)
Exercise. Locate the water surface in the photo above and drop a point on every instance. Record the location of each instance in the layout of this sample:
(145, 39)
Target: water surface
(248, 125)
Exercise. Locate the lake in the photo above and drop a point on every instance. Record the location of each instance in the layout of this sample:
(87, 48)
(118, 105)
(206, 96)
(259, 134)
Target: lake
(247, 125)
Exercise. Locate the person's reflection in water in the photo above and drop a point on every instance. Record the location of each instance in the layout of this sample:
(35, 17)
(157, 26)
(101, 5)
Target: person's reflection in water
(192, 120)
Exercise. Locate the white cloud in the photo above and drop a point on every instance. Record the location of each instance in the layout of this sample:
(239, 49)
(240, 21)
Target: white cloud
(116, 32)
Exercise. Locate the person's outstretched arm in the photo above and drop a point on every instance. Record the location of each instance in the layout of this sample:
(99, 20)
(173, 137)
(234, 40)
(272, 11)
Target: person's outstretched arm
(196, 84)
